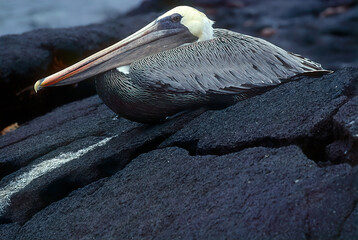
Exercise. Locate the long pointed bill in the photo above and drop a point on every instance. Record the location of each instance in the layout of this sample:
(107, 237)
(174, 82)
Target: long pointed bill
(151, 39)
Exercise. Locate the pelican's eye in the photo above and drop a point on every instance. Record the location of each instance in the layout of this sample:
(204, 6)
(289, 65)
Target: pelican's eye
(176, 17)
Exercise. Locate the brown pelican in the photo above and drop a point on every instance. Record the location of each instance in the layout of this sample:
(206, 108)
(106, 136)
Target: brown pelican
(179, 62)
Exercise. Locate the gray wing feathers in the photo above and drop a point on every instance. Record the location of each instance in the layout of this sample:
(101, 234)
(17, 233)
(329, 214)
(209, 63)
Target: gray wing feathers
(229, 63)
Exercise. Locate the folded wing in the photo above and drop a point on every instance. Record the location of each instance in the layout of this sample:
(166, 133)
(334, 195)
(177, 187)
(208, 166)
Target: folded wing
(228, 64)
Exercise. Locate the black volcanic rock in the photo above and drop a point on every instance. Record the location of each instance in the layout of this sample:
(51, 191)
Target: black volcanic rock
(346, 124)
(349, 230)
(59, 146)
(259, 169)
(166, 194)
(298, 112)
(8, 231)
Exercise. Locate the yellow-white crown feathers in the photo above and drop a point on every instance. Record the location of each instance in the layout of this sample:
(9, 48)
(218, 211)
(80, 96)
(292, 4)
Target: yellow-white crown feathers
(197, 22)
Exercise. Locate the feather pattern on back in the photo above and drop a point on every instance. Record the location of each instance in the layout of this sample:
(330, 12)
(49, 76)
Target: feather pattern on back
(230, 63)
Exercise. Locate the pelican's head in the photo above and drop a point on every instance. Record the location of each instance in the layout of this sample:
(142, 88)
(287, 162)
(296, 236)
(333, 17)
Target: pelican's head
(181, 25)
(195, 21)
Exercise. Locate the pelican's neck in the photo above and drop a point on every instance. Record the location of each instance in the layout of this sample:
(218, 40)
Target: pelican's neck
(208, 30)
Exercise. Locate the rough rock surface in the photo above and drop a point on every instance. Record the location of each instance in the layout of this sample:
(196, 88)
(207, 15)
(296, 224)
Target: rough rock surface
(308, 120)
(261, 169)
(346, 124)
(167, 194)
(324, 31)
